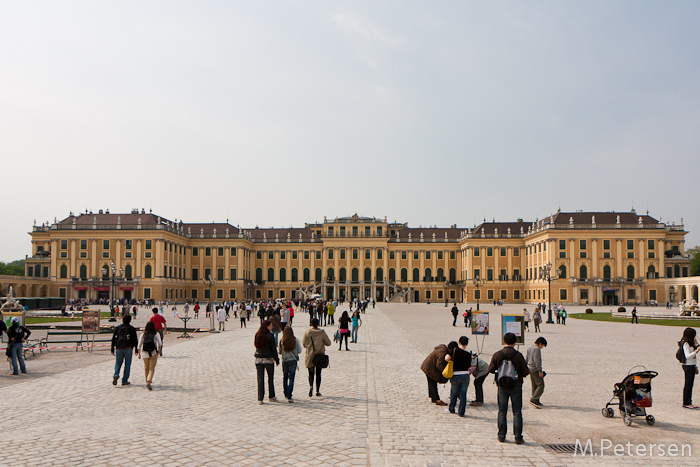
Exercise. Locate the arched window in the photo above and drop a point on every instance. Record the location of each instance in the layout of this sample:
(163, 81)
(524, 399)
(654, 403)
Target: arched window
(428, 275)
(319, 275)
(83, 271)
(127, 271)
(607, 274)
(416, 275)
(331, 274)
(404, 275)
(307, 275)
(295, 275)
(342, 275)
(283, 275)
(258, 276)
(368, 275)
(453, 275)
(630, 272)
(651, 272)
(392, 275)
(355, 275)
(64, 271)
(583, 272)
(562, 268)
(148, 271)
(380, 274)
(440, 275)
(270, 274)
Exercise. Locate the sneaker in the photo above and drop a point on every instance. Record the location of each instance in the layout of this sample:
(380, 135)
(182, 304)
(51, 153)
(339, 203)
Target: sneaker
(114, 380)
(690, 406)
(273, 399)
(519, 441)
(125, 383)
(536, 404)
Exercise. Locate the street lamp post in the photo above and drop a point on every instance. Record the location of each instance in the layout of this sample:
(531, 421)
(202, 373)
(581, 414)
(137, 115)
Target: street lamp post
(546, 274)
(105, 272)
(478, 282)
(446, 285)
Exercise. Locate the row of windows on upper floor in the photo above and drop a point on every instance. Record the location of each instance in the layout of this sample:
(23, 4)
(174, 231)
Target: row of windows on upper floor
(583, 245)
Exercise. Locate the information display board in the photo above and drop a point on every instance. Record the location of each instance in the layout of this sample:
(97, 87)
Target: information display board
(514, 324)
(7, 318)
(480, 323)
(91, 321)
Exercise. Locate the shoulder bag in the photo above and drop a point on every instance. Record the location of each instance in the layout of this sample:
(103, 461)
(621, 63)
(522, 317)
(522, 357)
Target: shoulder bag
(320, 360)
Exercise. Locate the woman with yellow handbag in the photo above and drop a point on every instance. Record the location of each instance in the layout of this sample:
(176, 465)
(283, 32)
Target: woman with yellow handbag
(459, 360)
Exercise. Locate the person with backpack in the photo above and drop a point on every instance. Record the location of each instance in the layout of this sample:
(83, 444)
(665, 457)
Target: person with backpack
(124, 341)
(510, 368)
(16, 335)
(690, 348)
(533, 357)
(150, 344)
(159, 322)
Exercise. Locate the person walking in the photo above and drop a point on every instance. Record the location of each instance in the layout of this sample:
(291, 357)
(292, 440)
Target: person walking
(690, 347)
(124, 341)
(331, 313)
(564, 315)
(196, 310)
(356, 323)
(480, 372)
(284, 318)
(266, 358)
(455, 312)
(459, 383)
(344, 329)
(221, 316)
(526, 319)
(289, 350)
(634, 315)
(432, 366)
(161, 327)
(510, 386)
(315, 341)
(276, 325)
(533, 357)
(150, 344)
(16, 335)
(537, 319)
(243, 315)
(468, 318)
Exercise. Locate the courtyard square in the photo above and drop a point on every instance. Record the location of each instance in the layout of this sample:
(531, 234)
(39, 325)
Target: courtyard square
(374, 410)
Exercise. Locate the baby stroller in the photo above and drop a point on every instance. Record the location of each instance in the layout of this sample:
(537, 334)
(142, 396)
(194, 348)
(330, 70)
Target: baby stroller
(634, 395)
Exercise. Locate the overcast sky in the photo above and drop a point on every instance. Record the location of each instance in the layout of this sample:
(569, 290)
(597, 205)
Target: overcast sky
(278, 113)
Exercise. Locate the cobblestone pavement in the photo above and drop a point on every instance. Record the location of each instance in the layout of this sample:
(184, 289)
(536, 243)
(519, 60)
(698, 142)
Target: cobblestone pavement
(374, 409)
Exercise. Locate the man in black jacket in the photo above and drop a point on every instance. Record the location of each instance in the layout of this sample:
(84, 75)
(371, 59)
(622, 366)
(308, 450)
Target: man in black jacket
(455, 312)
(515, 394)
(124, 340)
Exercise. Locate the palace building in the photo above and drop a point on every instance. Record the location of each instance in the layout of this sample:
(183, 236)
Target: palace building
(595, 257)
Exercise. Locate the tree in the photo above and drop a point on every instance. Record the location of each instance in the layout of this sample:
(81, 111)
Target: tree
(15, 268)
(694, 254)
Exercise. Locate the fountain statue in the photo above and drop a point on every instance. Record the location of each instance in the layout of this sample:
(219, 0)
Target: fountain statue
(10, 303)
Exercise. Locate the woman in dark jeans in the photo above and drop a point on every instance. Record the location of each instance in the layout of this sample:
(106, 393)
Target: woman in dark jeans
(315, 342)
(344, 325)
(265, 360)
(690, 368)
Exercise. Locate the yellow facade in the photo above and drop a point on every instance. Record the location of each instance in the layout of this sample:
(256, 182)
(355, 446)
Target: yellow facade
(620, 257)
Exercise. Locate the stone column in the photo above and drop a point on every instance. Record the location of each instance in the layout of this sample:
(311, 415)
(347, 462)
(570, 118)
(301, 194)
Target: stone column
(662, 260)
(619, 260)
(93, 258)
(572, 261)
(227, 265)
(642, 272)
(137, 269)
(594, 259)
(373, 256)
(54, 259)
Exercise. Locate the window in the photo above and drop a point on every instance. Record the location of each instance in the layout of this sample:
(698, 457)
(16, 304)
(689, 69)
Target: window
(582, 244)
(148, 271)
(342, 231)
(583, 272)
(128, 271)
(105, 254)
(476, 274)
(233, 253)
(504, 294)
(127, 254)
(584, 294)
(367, 253)
(319, 273)
(489, 251)
(631, 294)
(427, 255)
(283, 275)
(562, 244)
(307, 274)
(207, 251)
(516, 295)
(207, 293)
(415, 255)
(630, 272)
(270, 255)
(380, 253)
(295, 274)
(318, 254)
(403, 254)
(477, 294)
(392, 275)
(428, 275)
(342, 253)
(404, 275)
(330, 253)
(392, 256)
(606, 272)
(221, 251)
(562, 294)
(295, 254)
(606, 244)
(562, 254)
(379, 231)
(64, 244)
(652, 295)
(368, 275)
(582, 254)
(195, 274)
(516, 251)
(354, 231)
(630, 244)
(476, 251)
(83, 272)
(452, 255)
(489, 274)
(650, 245)
(220, 274)
(105, 244)
(330, 231)
(355, 277)
(606, 254)
(283, 255)
(489, 294)
(652, 254)
(503, 251)
(367, 231)
(195, 252)
(194, 293)
(64, 271)
(354, 253)
(83, 244)
(306, 254)
(207, 273)
(416, 275)
(232, 293)
(630, 254)
(128, 244)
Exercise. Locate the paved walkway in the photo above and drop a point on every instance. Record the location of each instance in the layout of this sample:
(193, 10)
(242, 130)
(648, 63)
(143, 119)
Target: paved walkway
(374, 409)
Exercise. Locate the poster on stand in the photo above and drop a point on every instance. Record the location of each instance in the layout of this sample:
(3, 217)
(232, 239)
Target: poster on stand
(514, 324)
(480, 323)
(91, 321)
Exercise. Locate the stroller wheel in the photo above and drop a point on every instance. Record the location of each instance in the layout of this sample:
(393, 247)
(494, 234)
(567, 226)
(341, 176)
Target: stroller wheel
(650, 419)
(611, 412)
(627, 419)
(605, 412)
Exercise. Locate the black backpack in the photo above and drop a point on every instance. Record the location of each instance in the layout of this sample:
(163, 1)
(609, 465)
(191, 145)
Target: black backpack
(680, 353)
(123, 337)
(149, 343)
(506, 376)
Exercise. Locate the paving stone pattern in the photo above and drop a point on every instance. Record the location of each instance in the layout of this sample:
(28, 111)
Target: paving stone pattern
(203, 411)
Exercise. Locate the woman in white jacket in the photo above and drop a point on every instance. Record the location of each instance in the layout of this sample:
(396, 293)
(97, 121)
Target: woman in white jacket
(690, 367)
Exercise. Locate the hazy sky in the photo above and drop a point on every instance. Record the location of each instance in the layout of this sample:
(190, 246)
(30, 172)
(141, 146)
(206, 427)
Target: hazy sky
(278, 113)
